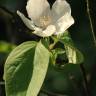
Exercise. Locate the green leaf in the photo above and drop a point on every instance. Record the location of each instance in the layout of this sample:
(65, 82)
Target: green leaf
(25, 69)
(55, 53)
(73, 54)
(41, 61)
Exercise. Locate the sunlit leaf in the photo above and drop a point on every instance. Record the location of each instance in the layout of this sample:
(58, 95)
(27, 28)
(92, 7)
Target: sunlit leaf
(73, 54)
(25, 69)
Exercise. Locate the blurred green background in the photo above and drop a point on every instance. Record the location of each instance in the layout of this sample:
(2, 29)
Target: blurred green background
(68, 81)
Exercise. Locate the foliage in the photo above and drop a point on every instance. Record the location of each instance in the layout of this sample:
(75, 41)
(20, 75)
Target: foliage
(51, 66)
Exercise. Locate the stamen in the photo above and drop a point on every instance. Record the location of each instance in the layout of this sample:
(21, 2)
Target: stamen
(45, 21)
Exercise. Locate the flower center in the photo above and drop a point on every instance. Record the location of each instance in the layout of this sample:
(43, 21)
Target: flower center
(45, 21)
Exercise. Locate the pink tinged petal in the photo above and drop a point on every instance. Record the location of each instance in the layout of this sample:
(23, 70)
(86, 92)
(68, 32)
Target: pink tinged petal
(50, 30)
(26, 21)
(64, 23)
(37, 9)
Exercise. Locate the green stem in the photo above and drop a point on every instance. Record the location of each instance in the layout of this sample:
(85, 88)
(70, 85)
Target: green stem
(53, 44)
(91, 24)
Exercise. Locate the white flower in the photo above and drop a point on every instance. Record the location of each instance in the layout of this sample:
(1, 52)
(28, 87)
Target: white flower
(46, 21)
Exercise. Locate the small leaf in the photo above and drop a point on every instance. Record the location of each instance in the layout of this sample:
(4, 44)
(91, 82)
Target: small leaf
(55, 53)
(73, 54)
(58, 57)
(25, 69)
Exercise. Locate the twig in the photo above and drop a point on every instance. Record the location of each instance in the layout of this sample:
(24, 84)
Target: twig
(75, 85)
(86, 87)
(91, 24)
(2, 83)
(51, 93)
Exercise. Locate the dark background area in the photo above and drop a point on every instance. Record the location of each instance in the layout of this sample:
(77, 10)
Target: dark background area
(69, 81)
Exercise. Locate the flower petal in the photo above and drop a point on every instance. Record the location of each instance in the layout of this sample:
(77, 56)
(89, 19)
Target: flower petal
(36, 9)
(26, 21)
(50, 30)
(59, 8)
(64, 23)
